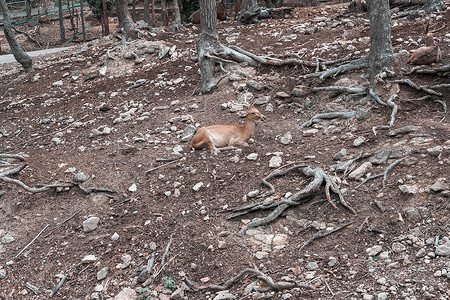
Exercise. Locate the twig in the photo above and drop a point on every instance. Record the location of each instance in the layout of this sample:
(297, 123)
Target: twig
(61, 282)
(16, 156)
(330, 115)
(30, 189)
(61, 223)
(384, 174)
(153, 277)
(31, 287)
(322, 234)
(163, 258)
(13, 171)
(32, 241)
(280, 285)
(28, 36)
(328, 287)
(394, 106)
(342, 89)
(161, 166)
(417, 87)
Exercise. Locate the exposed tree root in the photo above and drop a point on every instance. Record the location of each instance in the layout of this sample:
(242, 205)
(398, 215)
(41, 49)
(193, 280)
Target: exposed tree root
(360, 63)
(345, 165)
(330, 115)
(272, 285)
(28, 36)
(394, 106)
(322, 234)
(319, 177)
(384, 174)
(440, 71)
(46, 187)
(277, 173)
(342, 89)
(417, 87)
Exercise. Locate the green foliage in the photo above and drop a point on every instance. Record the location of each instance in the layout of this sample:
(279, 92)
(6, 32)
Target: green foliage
(97, 7)
(168, 282)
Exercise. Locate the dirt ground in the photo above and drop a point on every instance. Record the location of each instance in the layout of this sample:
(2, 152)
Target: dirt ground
(119, 123)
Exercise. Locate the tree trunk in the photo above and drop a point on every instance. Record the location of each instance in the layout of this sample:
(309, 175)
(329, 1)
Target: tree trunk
(28, 9)
(133, 11)
(105, 17)
(153, 13)
(176, 25)
(21, 56)
(274, 3)
(249, 12)
(126, 25)
(381, 53)
(62, 30)
(147, 11)
(165, 14)
(206, 43)
(83, 26)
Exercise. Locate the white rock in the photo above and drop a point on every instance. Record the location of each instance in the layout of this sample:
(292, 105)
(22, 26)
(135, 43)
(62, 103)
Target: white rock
(89, 259)
(275, 162)
(198, 186)
(252, 156)
(133, 188)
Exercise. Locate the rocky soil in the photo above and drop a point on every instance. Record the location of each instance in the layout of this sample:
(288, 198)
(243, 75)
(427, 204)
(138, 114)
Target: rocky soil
(128, 211)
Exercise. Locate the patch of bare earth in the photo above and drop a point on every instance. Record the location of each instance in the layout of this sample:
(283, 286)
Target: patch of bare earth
(119, 123)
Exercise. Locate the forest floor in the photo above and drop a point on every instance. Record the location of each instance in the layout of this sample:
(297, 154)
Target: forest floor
(83, 120)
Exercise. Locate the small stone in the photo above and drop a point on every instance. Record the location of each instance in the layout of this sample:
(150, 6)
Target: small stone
(286, 138)
(440, 185)
(261, 254)
(252, 156)
(380, 157)
(359, 141)
(89, 259)
(80, 177)
(421, 253)
(223, 295)
(198, 186)
(360, 171)
(7, 239)
(188, 133)
(132, 188)
(382, 296)
(342, 153)
(282, 95)
(115, 236)
(374, 250)
(2, 273)
(332, 261)
(311, 266)
(57, 83)
(412, 214)
(90, 224)
(435, 151)
(398, 247)
(310, 132)
(409, 189)
(126, 294)
(102, 273)
(253, 194)
(443, 250)
(275, 162)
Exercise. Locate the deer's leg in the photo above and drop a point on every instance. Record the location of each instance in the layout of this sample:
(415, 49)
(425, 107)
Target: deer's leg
(201, 139)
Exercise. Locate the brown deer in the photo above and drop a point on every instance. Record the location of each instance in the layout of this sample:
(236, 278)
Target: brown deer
(427, 55)
(221, 13)
(227, 137)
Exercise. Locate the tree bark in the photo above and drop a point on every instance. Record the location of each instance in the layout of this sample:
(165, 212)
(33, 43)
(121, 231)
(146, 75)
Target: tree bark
(249, 12)
(126, 24)
(105, 17)
(21, 56)
(83, 26)
(176, 25)
(147, 11)
(206, 44)
(381, 53)
(62, 30)
(165, 13)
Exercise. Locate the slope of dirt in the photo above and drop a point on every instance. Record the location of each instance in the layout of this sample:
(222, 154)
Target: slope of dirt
(120, 124)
